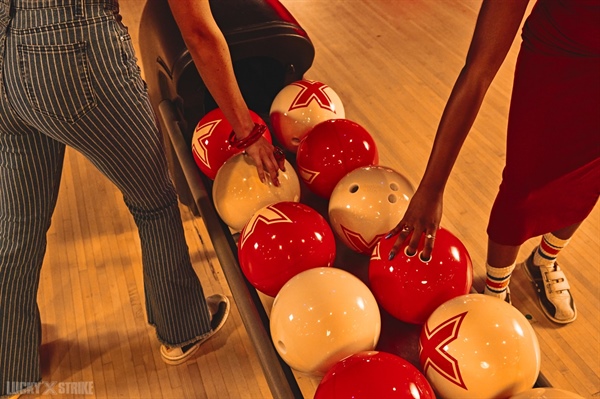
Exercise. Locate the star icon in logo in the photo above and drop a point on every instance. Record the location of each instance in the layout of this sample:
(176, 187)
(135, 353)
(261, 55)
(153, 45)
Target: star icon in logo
(433, 352)
(267, 215)
(204, 133)
(312, 91)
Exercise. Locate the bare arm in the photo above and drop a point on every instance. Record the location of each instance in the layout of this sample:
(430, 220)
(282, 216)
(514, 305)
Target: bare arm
(210, 53)
(495, 30)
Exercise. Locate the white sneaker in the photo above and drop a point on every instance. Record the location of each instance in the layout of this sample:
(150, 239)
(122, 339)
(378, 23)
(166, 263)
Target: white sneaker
(219, 308)
(553, 291)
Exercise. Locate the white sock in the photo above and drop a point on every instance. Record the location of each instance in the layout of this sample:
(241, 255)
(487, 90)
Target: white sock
(548, 250)
(497, 279)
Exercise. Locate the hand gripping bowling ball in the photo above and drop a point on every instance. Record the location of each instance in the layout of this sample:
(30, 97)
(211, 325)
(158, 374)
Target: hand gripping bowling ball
(238, 192)
(331, 150)
(321, 316)
(210, 141)
(282, 240)
(299, 107)
(546, 393)
(478, 346)
(373, 374)
(366, 204)
(409, 288)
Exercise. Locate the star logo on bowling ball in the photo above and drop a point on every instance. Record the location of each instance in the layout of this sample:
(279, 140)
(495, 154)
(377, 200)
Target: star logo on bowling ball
(204, 132)
(307, 175)
(432, 352)
(376, 255)
(358, 242)
(311, 91)
(267, 215)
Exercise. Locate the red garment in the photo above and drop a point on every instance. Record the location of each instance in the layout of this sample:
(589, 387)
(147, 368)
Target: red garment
(551, 178)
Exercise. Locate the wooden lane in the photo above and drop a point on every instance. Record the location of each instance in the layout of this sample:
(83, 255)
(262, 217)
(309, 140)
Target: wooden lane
(393, 63)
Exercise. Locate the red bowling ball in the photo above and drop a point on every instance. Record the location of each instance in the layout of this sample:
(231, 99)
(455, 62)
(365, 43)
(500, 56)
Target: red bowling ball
(409, 288)
(210, 142)
(331, 150)
(282, 240)
(373, 374)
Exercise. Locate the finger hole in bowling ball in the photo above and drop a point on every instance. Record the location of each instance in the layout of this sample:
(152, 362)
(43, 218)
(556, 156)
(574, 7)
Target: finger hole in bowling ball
(282, 348)
(392, 199)
(296, 141)
(353, 188)
(394, 187)
(409, 254)
(424, 260)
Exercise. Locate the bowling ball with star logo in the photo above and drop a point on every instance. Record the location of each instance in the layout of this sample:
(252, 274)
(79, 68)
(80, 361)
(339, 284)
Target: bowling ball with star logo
(331, 150)
(210, 142)
(366, 204)
(282, 240)
(299, 107)
(410, 288)
(479, 346)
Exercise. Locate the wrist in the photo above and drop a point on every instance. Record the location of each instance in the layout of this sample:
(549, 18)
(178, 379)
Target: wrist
(431, 190)
(255, 134)
(243, 128)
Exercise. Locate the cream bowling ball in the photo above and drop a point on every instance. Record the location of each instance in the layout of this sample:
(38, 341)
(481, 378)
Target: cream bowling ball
(366, 204)
(321, 316)
(478, 346)
(299, 107)
(238, 192)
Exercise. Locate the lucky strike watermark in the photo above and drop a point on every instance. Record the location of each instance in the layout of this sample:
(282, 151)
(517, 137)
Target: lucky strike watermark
(51, 387)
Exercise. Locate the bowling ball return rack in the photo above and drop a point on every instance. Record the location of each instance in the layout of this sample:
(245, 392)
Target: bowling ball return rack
(269, 50)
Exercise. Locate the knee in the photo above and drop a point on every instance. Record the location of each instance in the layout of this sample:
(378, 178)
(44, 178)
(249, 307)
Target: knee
(154, 204)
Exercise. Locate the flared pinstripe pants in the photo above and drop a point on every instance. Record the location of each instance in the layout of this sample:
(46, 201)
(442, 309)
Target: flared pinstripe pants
(68, 77)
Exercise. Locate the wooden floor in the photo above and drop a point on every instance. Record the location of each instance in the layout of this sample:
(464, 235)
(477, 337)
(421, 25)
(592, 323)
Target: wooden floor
(393, 63)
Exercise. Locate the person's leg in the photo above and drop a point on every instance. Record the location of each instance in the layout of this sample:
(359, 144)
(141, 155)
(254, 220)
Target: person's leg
(106, 115)
(550, 281)
(30, 170)
(501, 261)
(556, 184)
(121, 138)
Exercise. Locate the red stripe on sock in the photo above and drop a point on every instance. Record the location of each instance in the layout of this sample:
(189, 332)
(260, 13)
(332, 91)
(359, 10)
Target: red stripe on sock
(548, 249)
(495, 284)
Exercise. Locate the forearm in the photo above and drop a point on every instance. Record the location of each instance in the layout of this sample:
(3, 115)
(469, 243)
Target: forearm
(496, 27)
(456, 122)
(210, 53)
(213, 62)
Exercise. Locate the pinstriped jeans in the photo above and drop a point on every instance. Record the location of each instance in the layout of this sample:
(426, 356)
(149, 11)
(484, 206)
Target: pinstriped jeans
(68, 77)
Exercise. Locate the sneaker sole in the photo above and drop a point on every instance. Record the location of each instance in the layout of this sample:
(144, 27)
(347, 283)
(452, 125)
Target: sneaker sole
(548, 315)
(174, 361)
